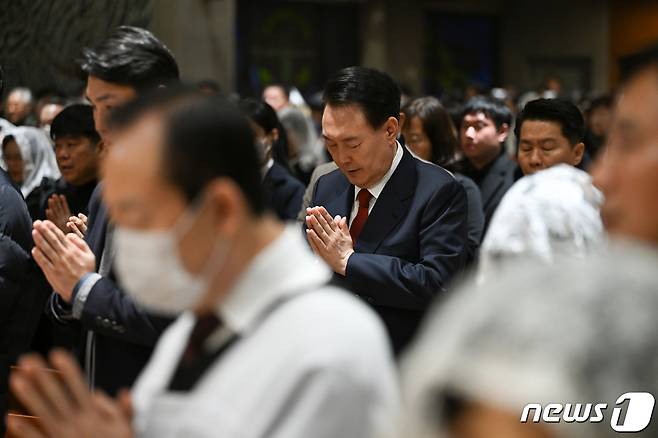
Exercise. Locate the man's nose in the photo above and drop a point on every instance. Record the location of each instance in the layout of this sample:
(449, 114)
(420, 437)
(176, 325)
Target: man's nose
(470, 132)
(536, 158)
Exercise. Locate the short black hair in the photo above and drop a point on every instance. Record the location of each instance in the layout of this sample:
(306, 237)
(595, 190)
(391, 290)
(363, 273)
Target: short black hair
(261, 113)
(131, 56)
(560, 111)
(205, 137)
(375, 92)
(75, 121)
(637, 61)
(493, 109)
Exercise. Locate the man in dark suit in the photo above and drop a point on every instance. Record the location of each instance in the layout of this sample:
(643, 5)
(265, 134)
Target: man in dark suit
(484, 127)
(393, 228)
(118, 335)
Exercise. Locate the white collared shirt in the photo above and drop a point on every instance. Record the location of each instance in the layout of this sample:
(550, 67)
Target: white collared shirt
(376, 189)
(319, 365)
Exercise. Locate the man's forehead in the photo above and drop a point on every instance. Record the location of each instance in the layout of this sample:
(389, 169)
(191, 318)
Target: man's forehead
(478, 116)
(140, 142)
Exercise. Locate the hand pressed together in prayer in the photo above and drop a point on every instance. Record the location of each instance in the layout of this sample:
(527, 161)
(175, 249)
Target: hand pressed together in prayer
(329, 238)
(63, 258)
(78, 225)
(63, 403)
(58, 212)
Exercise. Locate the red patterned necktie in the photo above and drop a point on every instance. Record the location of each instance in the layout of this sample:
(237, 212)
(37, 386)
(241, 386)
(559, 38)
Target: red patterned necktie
(359, 221)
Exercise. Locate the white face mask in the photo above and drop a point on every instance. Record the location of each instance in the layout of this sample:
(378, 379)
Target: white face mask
(149, 267)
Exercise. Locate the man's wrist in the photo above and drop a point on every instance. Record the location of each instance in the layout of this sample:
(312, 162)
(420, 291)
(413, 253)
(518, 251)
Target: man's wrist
(342, 270)
(81, 292)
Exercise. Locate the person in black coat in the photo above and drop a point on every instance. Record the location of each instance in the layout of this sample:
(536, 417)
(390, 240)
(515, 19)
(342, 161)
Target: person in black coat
(118, 335)
(283, 192)
(484, 126)
(19, 305)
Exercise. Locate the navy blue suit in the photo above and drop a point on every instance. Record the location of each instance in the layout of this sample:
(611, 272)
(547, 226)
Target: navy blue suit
(124, 334)
(283, 192)
(414, 241)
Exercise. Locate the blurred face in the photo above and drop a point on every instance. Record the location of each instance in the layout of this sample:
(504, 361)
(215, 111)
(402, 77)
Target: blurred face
(140, 198)
(416, 139)
(542, 145)
(363, 153)
(482, 421)
(17, 108)
(77, 159)
(14, 161)
(627, 171)
(275, 97)
(104, 96)
(480, 140)
(48, 113)
(599, 121)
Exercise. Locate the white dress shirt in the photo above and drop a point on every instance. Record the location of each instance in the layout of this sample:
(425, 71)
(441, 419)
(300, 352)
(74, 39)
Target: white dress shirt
(376, 189)
(318, 365)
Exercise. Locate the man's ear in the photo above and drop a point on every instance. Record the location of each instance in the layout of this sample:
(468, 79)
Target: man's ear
(578, 152)
(403, 120)
(392, 127)
(503, 132)
(101, 150)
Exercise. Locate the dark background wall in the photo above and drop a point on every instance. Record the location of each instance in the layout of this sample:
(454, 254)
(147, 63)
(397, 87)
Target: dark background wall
(40, 40)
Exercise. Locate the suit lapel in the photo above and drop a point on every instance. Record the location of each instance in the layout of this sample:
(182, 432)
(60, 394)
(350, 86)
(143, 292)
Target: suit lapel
(391, 206)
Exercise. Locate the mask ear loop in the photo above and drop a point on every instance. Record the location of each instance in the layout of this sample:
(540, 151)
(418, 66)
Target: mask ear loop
(185, 224)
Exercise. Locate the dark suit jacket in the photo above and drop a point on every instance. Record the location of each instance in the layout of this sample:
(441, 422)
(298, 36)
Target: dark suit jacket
(412, 244)
(497, 179)
(283, 192)
(20, 306)
(124, 334)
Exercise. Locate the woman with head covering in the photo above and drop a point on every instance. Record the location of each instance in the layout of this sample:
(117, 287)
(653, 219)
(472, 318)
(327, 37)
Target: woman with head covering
(546, 216)
(431, 136)
(562, 339)
(30, 161)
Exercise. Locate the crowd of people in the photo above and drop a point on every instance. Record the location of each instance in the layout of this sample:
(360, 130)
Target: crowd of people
(180, 262)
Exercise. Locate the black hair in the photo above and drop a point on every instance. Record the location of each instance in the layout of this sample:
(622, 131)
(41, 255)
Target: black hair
(376, 93)
(261, 113)
(131, 56)
(264, 116)
(493, 109)
(75, 121)
(560, 111)
(637, 61)
(438, 127)
(205, 137)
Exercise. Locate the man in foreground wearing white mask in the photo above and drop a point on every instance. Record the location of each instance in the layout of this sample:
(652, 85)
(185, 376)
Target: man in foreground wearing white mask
(265, 348)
